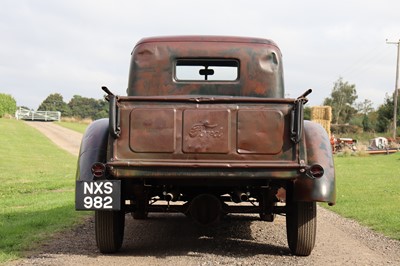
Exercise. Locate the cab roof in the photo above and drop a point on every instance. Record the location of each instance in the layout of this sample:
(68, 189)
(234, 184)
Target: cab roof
(206, 38)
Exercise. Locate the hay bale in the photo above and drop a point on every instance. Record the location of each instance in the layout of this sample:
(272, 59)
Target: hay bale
(323, 116)
(321, 113)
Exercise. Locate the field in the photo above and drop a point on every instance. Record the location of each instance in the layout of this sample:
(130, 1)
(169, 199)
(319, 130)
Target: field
(36, 189)
(368, 190)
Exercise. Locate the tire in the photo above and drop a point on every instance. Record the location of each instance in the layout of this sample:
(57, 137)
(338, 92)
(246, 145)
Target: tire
(141, 212)
(109, 227)
(301, 226)
(267, 217)
(141, 203)
(267, 203)
(139, 215)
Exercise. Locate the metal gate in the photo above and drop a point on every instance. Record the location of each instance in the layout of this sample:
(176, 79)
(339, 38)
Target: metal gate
(26, 114)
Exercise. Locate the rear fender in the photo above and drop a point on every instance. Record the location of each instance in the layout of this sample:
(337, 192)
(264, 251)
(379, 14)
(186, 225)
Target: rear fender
(93, 148)
(319, 151)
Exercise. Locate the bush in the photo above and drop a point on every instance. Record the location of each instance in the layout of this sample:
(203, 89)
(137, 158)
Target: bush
(346, 129)
(8, 105)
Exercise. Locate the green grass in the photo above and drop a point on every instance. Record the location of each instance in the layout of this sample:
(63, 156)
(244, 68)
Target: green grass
(79, 127)
(36, 189)
(368, 190)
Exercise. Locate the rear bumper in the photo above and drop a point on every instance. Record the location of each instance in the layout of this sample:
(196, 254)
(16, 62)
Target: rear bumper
(214, 170)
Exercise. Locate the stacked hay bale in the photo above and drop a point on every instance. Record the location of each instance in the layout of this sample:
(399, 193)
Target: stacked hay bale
(323, 116)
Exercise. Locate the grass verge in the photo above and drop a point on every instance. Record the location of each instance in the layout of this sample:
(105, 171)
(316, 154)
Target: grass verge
(368, 191)
(78, 127)
(36, 189)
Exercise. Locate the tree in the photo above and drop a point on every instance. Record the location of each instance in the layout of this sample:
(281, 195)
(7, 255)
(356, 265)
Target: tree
(307, 113)
(364, 108)
(55, 102)
(88, 107)
(342, 98)
(8, 105)
(372, 120)
(385, 114)
(366, 124)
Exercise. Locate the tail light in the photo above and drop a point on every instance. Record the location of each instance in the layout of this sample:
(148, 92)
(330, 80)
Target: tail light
(98, 170)
(315, 171)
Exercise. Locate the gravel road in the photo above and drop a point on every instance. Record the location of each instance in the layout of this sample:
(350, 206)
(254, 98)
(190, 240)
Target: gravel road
(173, 239)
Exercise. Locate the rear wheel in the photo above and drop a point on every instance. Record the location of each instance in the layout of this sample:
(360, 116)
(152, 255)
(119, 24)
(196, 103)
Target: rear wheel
(139, 215)
(109, 227)
(301, 226)
(141, 203)
(267, 203)
(141, 212)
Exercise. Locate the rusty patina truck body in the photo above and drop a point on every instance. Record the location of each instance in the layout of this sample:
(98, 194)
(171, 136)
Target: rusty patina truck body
(205, 130)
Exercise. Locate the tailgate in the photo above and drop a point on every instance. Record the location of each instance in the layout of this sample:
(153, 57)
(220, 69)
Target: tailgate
(213, 133)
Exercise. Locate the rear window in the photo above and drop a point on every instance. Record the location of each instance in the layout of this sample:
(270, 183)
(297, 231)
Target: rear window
(207, 70)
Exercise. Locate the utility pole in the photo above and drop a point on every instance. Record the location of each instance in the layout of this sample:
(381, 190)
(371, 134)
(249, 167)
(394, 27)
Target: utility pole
(396, 89)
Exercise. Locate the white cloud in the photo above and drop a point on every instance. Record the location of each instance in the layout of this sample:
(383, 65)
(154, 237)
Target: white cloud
(74, 47)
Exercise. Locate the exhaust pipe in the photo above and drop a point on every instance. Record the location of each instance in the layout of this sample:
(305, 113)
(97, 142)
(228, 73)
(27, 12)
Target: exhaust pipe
(238, 196)
(171, 195)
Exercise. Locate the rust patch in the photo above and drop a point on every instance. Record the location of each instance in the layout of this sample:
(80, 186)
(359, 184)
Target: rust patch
(260, 131)
(153, 130)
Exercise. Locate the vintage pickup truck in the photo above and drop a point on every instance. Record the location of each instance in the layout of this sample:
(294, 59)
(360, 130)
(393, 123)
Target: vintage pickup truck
(205, 130)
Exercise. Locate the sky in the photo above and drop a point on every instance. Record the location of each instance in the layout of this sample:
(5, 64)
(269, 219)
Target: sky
(74, 47)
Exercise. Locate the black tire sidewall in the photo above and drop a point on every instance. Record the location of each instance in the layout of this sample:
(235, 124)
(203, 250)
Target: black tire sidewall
(109, 228)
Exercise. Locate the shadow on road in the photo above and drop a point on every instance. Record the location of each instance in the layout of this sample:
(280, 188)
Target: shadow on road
(164, 235)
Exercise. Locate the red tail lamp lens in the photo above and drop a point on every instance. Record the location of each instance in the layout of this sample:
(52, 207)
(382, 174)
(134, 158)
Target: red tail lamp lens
(316, 171)
(98, 170)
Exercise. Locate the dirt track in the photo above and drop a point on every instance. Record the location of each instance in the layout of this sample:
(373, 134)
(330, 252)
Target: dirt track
(67, 139)
(238, 240)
